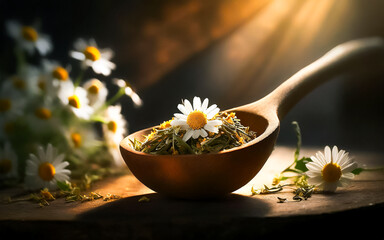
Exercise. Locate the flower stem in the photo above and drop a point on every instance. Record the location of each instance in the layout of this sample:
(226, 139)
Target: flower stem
(80, 77)
(117, 96)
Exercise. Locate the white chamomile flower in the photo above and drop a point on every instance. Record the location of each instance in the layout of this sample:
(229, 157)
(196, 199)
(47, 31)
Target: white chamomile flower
(76, 100)
(11, 103)
(129, 91)
(81, 137)
(197, 120)
(25, 81)
(55, 77)
(29, 37)
(96, 92)
(330, 169)
(8, 162)
(42, 118)
(114, 130)
(45, 169)
(92, 56)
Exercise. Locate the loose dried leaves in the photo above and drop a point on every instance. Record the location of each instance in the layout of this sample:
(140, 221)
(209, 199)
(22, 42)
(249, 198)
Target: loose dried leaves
(165, 139)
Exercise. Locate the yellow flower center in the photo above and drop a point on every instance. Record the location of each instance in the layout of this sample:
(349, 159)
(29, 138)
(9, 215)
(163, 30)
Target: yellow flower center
(43, 113)
(5, 104)
(92, 53)
(47, 171)
(29, 33)
(331, 172)
(60, 73)
(112, 126)
(76, 139)
(74, 101)
(5, 166)
(95, 87)
(196, 119)
(18, 83)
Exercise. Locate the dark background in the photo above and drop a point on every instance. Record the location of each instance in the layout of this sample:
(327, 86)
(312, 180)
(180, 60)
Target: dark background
(233, 52)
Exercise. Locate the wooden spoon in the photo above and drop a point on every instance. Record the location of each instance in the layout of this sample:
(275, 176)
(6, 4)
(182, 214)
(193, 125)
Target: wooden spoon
(218, 174)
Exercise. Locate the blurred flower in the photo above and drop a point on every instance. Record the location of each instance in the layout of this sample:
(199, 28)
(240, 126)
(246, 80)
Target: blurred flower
(81, 137)
(11, 103)
(29, 37)
(45, 169)
(197, 120)
(114, 130)
(55, 77)
(8, 162)
(129, 91)
(330, 170)
(92, 56)
(25, 81)
(96, 92)
(76, 100)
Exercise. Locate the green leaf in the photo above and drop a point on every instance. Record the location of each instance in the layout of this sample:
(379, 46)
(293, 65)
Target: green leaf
(301, 164)
(64, 186)
(298, 136)
(357, 171)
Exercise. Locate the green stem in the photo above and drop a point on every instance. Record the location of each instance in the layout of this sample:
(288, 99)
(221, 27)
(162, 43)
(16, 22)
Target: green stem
(20, 56)
(117, 96)
(80, 77)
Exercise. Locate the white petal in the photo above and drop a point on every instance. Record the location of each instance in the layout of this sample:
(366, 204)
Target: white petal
(330, 187)
(77, 55)
(335, 154)
(215, 123)
(348, 175)
(178, 122)
(182, 109)
(203, 133)
(180, 116)
(211, 128)
(44, 45)
(312, 166)
(188, 106)
(210, 108)
(349, 168)
(196, 103)
(328, 154)
(62, 165)
(204, 105)
(317, 180)
(212, 113)
(312, 174)
(196, 133)
(188, 135)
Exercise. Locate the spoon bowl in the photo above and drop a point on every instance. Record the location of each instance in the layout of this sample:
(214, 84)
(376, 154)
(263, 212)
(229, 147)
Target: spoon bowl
(215, 175)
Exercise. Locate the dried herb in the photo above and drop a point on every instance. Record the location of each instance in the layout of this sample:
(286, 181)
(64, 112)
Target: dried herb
(166, 139)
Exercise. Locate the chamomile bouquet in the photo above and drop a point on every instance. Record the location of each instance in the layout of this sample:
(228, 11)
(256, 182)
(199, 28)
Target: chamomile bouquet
(55, 124)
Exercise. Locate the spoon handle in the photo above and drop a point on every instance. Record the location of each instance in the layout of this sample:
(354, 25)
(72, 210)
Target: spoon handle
(350, 57)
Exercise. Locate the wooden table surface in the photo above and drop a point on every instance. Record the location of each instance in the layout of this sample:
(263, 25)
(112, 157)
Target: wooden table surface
(353, 209)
